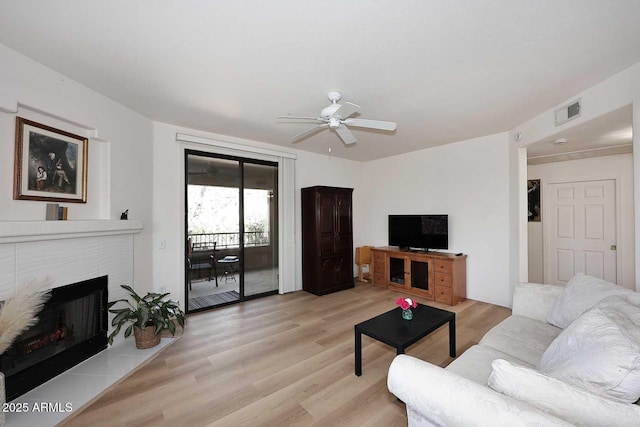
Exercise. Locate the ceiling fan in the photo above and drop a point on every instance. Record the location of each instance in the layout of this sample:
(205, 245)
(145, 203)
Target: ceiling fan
(336, 117)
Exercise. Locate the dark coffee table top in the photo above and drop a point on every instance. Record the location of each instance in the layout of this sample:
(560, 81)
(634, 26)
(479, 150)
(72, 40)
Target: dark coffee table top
(391, 329)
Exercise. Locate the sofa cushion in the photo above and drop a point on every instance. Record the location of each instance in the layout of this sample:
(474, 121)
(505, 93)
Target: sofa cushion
(600, 351)
(580, 294)
(561, 399)
(534, 300)
(521, 337)
(475, 363)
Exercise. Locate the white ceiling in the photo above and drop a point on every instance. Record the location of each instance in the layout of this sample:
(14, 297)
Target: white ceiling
(444, 70)
(609, 134)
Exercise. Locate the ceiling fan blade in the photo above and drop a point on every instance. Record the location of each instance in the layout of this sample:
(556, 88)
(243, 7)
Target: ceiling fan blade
(372, 124)
(346, 110)
(345, 134)
(309, 131)
(299, 118)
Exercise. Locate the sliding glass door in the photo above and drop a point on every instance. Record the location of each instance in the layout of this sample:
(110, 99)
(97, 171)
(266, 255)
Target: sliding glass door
(260, 228)
(231, 250)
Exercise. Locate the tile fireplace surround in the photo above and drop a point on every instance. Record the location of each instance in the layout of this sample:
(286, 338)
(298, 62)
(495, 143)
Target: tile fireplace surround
(59, 253)
(63, 252)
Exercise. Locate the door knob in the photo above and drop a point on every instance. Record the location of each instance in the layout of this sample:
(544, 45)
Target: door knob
(613, 247)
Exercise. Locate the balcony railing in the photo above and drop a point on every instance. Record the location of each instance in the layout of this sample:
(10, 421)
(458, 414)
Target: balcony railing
(204, 241)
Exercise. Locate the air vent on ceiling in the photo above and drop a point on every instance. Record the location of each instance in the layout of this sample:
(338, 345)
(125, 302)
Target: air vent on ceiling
(568, 112)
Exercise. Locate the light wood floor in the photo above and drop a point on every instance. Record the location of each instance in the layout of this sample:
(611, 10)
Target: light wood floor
(281, 360)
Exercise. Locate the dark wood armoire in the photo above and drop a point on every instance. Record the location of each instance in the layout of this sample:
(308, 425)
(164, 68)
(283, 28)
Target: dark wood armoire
(327, 239)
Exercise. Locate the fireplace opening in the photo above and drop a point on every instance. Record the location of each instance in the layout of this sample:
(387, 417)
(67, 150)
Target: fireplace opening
(71, 327)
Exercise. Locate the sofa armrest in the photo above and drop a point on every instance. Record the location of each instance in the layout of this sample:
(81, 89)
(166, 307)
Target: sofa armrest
(436, 397)
(534, 300)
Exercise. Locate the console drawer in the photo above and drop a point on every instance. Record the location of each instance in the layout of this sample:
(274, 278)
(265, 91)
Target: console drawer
(378, 267)
(443, 279)
(443, 266)
(379, 280)
(378, 263)
(443, 294)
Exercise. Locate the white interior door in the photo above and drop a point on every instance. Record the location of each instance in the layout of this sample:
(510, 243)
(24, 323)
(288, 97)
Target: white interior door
(580, 230)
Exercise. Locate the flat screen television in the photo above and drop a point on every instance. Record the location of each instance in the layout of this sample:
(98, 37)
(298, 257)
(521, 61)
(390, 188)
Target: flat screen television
(419, 231)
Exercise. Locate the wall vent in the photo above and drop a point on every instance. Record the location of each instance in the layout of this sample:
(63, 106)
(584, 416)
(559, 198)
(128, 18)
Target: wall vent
(568, 112)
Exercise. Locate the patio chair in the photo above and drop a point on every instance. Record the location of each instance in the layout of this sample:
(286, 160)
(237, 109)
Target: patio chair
(208, 263)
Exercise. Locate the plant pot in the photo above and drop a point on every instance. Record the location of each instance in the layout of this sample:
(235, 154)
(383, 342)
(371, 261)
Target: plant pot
(146, 337)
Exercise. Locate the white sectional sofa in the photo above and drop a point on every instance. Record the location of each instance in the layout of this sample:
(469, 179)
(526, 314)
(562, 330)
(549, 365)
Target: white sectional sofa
(568, 355)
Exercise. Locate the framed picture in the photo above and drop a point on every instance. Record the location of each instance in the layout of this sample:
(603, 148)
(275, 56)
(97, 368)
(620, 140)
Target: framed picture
(533, 190)
(50, 164)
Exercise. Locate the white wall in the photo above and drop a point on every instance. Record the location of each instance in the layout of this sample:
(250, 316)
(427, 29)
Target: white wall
(536, 251)
(467, 180)
(119, 169)
(620, 90)
(620, 168)
(168, 201)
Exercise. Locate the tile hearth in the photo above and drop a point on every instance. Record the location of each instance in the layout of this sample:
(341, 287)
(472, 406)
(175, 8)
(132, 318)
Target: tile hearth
(80, 384)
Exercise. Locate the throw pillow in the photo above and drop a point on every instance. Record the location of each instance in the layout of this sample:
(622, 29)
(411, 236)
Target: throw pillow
(600, 351)
(580, 294)
(560, 399)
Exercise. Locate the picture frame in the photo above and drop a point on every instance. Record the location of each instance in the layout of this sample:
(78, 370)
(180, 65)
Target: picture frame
(50, 164)
(534, 211)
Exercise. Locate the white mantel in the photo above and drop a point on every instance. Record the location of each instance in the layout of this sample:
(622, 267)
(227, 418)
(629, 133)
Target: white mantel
(30, 231)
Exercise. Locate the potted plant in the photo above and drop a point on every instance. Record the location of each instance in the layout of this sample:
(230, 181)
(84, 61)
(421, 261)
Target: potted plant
(147, 317)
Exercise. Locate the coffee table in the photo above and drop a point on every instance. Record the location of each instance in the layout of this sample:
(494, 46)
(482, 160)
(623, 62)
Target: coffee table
(391, 329)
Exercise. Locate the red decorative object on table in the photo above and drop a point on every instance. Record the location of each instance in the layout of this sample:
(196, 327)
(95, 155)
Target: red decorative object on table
(406, 303)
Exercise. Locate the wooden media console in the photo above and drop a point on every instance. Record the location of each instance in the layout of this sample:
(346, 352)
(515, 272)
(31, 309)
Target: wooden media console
(438, 276)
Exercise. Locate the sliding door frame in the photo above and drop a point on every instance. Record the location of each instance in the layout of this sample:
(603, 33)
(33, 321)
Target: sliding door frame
(289, 223)
(241, 245)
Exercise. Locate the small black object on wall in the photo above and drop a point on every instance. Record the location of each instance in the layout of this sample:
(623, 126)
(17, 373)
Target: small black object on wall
(125, 214)
(534, 212)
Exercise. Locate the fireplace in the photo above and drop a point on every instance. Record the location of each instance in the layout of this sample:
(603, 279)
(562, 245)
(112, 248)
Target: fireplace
(71, 327)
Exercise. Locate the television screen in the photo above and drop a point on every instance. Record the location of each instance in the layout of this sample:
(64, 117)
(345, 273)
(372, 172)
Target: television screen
(419, 231)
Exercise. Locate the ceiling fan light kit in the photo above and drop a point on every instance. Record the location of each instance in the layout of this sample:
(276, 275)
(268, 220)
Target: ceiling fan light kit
(336, 117)
(334, 96)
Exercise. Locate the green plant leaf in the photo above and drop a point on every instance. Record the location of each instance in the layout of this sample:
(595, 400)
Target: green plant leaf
(133, 293)
(112, 303)
(180, 318)
(121, 317)
(114, 334)
(144, 317)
